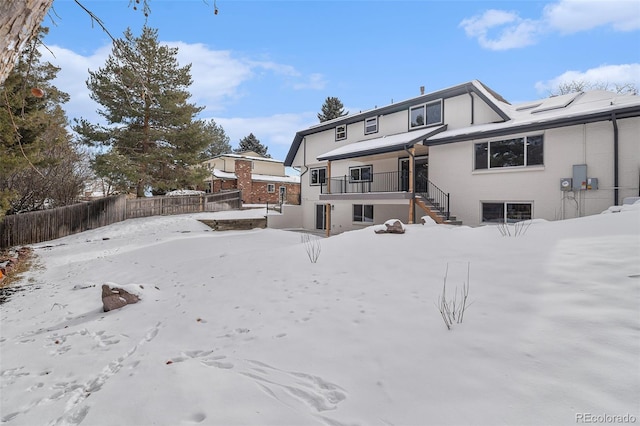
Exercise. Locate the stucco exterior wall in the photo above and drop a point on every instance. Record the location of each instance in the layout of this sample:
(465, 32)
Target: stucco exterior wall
(451, 168)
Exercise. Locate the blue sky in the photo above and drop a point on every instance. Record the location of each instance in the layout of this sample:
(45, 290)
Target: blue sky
(266, 67)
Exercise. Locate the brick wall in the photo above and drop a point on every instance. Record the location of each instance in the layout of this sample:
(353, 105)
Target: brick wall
(257, 192)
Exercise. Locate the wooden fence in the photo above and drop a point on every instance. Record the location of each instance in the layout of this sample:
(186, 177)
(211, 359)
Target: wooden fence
(45, 225)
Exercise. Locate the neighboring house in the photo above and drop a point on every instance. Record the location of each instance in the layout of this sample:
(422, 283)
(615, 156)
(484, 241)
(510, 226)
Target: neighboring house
(465, 155)
(261, 179)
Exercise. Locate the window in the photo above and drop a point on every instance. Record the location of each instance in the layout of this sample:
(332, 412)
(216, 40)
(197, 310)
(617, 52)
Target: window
(341, 132)
(363, 213)
(506, 212)
(425, 114)
(517, 152)
(361, 174)
(371, 125)
(271, 188)
(318, 176)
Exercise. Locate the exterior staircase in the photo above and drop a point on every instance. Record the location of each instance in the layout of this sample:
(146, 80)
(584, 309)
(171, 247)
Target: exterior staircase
(435, 211)
(435, 202)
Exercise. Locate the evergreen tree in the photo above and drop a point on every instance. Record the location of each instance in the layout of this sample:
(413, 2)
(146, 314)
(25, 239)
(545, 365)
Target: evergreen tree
(150, 123)
(331, 108)
(39, 163)
(218, 141)
(251, 143)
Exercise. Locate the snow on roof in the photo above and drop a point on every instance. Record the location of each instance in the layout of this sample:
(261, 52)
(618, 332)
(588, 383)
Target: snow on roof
(381, 144)
(249, 157)
(572, 105)
(255, 176)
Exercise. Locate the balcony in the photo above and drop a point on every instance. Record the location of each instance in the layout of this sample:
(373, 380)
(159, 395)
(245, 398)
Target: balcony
(384, 182)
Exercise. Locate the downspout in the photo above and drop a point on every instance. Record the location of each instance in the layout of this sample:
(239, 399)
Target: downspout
(412, 200)
(615, 159)
(472, 104)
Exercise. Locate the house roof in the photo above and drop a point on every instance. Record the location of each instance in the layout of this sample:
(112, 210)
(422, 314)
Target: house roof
(255, 176)
(557, 111)
(247, 155)
(495, 101)
(381, 145)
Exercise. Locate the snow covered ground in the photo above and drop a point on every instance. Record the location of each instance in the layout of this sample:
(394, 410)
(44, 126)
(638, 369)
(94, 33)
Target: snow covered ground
(241, 328)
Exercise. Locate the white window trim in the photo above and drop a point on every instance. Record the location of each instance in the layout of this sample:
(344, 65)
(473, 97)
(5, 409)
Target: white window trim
(424, 107)
(504, 206)
(525, 166)
(363, 217)
(271, 188)
(373, 122)
(311, 170)
(341, 132)
(366, 166)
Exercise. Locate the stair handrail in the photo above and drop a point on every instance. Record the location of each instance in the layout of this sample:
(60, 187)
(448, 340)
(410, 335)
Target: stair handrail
(434, 195)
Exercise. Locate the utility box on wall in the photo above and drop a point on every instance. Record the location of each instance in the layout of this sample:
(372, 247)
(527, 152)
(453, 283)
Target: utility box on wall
(566, 184)
(592, 183)
(579, 177)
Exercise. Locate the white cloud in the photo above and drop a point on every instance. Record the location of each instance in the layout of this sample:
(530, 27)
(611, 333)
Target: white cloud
(570, 16)
(314, 81)
(218, 75)
(513, 31)
(275, 131)
(501, 30)
(605, 75)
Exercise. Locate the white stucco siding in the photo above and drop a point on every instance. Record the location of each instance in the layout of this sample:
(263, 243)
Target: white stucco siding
(629, 150)
(383, 210)
(451, 168)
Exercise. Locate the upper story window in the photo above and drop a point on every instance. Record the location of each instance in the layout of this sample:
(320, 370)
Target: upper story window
(318, 176)
(361, 174)
(341, 132)
(516, 152)
(425, 115)
(371, 125)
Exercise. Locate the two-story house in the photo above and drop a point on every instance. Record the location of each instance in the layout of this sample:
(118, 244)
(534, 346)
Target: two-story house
(262, 180)
(465, 154)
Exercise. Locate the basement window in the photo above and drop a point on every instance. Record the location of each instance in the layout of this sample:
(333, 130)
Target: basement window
(505, 212)
(363, 213)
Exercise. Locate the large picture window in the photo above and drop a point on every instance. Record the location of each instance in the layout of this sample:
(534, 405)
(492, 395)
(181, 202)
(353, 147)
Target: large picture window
(363, 213)
(425, 115)
(502, 212)
(516, 152)
(361, 174)
(318, 176)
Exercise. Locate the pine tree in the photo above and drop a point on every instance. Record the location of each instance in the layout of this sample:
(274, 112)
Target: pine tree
(331, 108)
(251, 143)
(150, 123)
(39, 163)
(217, 139)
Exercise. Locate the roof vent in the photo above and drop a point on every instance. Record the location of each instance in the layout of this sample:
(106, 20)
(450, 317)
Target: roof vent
(422, 90)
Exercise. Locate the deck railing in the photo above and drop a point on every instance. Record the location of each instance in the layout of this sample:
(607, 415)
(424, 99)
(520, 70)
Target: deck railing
(378, 182)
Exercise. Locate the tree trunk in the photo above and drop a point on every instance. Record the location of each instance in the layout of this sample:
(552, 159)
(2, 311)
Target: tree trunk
(19, 22)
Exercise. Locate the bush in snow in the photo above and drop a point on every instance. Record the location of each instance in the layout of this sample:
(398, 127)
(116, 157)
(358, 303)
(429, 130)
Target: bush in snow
(312, 246)
(515, 230)
(452, 309)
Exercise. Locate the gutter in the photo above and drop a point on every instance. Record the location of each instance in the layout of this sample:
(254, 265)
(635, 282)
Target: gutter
(615, 159)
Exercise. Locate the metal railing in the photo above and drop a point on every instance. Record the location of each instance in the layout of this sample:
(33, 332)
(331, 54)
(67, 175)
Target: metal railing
(434, 196)
(379, 182)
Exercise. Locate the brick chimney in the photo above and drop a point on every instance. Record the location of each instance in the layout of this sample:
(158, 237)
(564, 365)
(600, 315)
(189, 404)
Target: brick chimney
(243, 174)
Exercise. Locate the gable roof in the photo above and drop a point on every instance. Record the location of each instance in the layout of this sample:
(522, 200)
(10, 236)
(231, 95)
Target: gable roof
(495, 102)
